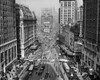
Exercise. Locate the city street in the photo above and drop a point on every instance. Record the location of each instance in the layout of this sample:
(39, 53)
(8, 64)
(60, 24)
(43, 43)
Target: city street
(52, 66)
(49, 40)
(48, 69)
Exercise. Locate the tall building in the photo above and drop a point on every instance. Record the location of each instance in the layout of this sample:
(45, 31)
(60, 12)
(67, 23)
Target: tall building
(80, 18)
(68, 11)
(80, 13)
(8, 41)
(26, 26)
(18, 30)
(91, 28)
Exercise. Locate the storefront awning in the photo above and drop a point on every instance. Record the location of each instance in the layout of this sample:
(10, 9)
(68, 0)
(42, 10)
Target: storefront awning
(66, 50)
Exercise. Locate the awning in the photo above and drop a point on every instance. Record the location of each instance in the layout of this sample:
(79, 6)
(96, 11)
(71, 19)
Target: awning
(66, 50)
(69, 52)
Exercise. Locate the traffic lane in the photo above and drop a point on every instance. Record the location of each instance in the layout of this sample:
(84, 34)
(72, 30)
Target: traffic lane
(48, 69)
(52, 73)
(34, 75)
(49, 72)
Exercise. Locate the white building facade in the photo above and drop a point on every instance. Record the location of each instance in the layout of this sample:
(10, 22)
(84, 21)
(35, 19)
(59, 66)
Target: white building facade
(68, 12)
(26, 30)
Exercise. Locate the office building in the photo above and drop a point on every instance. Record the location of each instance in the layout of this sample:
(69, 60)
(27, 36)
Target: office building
(68, 11)
(8, 41)
(26, 25)
(91, 34)
(80, 13)
(80, 18)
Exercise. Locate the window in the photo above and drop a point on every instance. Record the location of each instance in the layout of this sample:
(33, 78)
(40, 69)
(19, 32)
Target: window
(65, 3)
(69, 3)
(73, 3)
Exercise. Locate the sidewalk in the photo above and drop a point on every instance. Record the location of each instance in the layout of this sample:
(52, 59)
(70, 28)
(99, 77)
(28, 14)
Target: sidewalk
(64, 73)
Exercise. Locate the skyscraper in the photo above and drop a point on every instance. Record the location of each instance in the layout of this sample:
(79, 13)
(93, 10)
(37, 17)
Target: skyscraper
(91, 33)
(68, 11)
(26, 25)
(8, 41)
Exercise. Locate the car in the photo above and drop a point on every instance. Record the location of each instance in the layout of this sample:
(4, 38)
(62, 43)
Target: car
(35, 67)
(42, 68)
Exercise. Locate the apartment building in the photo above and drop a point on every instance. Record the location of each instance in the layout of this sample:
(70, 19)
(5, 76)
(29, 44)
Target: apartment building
(68, 11)
(91, 34)
(8, 41)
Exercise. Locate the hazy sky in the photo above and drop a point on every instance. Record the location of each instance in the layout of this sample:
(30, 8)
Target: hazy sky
(37, 5)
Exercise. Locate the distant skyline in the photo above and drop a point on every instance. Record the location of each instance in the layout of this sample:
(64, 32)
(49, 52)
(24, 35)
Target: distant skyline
(37, 5)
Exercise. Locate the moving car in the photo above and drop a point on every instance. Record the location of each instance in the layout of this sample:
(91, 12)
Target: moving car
(41, 70)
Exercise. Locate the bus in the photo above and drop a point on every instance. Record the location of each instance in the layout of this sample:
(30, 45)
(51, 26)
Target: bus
(66, 67)
(63, 60)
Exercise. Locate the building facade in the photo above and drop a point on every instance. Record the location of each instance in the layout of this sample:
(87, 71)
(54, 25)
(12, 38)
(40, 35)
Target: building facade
(68, 40)
(8, 40)
(68, 11)
(80, 13)
(26, 30)
(80, 18)
(91, 34)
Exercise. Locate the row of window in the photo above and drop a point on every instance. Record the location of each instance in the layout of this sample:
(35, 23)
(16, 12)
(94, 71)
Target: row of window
(7, 2)
(6, 8)
(7, 34)
(68, 3)
(28, 43)
(7, 22)
(89, 61)
(28, 32)
(8, 55)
